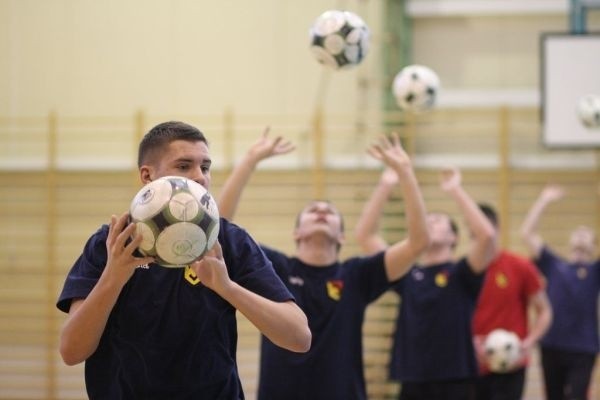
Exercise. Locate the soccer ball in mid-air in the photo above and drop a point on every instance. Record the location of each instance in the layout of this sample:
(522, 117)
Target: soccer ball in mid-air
(502, 350)
(416, 88)
(588, 109)
(177, 218)
(339, 39)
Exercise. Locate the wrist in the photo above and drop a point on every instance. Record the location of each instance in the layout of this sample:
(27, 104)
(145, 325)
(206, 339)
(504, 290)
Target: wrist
(251, 160)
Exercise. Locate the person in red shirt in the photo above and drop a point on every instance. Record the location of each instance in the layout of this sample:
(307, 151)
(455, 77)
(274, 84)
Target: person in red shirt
(511, 288)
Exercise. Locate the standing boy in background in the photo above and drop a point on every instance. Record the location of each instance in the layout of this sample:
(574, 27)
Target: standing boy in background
(432, 354)
(512, 287)
(570, 347)
(334, 294)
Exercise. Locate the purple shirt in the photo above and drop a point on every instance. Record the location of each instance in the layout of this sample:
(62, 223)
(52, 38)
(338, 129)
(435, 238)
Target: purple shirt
(433, 340)
(169, 336)
(573, 292)
(334, 299)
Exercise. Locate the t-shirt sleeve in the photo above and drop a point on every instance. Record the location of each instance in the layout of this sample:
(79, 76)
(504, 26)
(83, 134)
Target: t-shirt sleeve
(533, 281)
(472, 281)
(545, 260)
(278, 259)
(248, 264)
(371, 275)
(86, 270)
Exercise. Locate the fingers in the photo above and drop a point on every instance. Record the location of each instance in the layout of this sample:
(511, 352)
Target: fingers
(215, 251)
(266, 131)
(136, 240)
(275, 146)
(281, 146)
(126, 234)
(116, 226)
(395, 142)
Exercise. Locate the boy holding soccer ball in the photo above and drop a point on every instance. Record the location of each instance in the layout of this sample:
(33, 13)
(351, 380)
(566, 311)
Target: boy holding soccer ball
(334, 294)
(148, 332)
(513, 299)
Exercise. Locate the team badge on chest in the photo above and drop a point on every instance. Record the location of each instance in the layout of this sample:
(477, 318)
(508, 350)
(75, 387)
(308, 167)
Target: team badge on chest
(501, 280)
(191, 276)
(334, 289)
(441, 279)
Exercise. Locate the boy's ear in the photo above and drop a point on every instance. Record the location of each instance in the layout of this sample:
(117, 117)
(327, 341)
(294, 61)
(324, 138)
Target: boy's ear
(145, 174)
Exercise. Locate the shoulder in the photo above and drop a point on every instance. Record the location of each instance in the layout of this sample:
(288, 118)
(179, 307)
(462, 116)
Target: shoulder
(514, 259)
(377, 259)
(234, 236)
(97, 241)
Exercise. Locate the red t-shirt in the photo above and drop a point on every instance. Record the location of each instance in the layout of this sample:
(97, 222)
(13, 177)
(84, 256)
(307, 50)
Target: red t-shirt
(503, 302)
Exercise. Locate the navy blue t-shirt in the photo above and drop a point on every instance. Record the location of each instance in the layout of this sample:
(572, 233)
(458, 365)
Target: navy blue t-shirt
(573, 292)
(432, 340)
(334, 299)
(169, 336)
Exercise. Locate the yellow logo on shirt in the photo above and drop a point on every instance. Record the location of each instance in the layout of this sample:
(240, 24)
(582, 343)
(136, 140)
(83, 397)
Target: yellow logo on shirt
(501, 280)
(191, 276)
(334, 289)
(582, 273)
(441, 279)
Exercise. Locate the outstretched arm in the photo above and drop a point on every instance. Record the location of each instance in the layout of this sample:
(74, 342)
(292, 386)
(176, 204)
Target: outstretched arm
(482, 244)
(233, 187)
(284, 323)
(533, 240)
(400, 256)
(366, 230)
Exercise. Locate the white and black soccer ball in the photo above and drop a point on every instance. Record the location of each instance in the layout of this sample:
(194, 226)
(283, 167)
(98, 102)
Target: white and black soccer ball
(339, 39)
(588, 110)
(178, 219)
(502, 350)
(416, 88)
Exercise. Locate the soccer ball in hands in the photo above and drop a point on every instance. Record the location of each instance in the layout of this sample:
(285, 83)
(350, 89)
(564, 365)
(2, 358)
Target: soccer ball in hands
(339, 39)
(502, 350)
(588, 109)
(415, 88)
(177, 218)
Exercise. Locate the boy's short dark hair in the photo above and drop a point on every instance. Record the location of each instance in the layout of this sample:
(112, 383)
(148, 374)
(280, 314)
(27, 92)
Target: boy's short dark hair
(164, 133)
(490, 213)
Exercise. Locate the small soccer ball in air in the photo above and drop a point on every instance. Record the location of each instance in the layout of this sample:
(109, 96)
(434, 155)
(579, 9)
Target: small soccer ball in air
(177, 218)
(588, 109)
(502, 350)
(339, 39)
(416, 88)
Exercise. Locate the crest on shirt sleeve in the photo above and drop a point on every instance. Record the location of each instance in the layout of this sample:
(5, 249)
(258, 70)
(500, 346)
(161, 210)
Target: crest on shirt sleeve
(334, 289)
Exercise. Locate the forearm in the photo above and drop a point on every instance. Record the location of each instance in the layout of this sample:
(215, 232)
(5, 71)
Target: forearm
(541, 322)
(415, 211)
(232, 189)
(474, 217)
(539, 328)
(86, 322)
(283, 323)
(530, 223)
(528, 230)
(483, 240)
(367, 226)
(404, 254)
